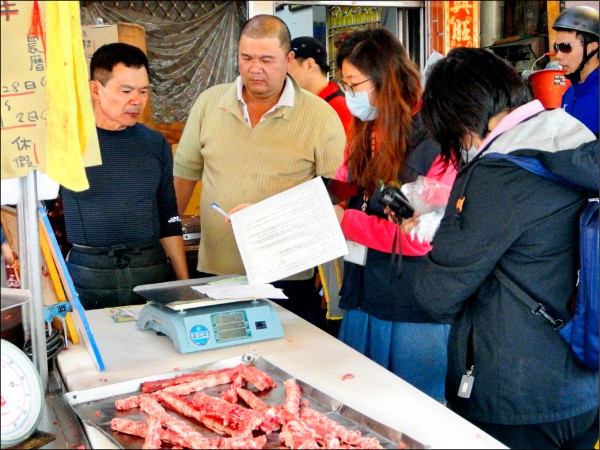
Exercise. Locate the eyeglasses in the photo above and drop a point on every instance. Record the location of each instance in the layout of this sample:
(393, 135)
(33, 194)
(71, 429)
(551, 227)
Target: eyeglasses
(350, 87)
(565, 47)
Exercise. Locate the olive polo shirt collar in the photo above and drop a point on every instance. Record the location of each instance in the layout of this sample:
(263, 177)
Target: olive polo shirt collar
(285, 100)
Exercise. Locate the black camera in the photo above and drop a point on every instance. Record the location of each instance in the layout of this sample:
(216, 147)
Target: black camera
(394, 198)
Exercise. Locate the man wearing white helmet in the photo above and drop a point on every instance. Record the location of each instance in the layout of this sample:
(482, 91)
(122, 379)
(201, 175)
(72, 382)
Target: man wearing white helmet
(576, 48)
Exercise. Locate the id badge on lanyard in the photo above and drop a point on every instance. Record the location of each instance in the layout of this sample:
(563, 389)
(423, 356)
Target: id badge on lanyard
(357, 253)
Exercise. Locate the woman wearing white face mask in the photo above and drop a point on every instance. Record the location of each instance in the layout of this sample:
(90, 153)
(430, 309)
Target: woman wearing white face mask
(358, 102)
(387, 144)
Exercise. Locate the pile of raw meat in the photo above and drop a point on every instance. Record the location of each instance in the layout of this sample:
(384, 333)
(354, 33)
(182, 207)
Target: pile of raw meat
(239, 415)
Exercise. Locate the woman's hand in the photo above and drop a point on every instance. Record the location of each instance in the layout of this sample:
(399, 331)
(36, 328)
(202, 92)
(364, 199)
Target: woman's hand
(339, 212)
(391, 215)
(406, 225)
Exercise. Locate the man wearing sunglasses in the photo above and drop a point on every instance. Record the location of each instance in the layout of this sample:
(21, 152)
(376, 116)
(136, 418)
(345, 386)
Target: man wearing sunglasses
(576, 48)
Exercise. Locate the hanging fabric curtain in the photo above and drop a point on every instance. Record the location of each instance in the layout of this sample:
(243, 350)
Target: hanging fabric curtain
(186, 58)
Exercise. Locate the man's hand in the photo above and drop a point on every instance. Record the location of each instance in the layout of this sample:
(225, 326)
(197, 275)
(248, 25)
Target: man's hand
(236, 209)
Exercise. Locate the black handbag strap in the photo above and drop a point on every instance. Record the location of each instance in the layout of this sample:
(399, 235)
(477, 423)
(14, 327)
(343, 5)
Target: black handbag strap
(536, 308)
(333, 95)
(396, 254)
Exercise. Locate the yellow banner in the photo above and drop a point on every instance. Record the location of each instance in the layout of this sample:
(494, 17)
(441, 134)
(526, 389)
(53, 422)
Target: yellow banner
(47, 120)
(23, 71)
(72, 141)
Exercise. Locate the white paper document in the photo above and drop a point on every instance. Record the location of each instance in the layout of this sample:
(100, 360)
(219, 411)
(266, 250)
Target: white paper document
(292, 231)
(240, 291)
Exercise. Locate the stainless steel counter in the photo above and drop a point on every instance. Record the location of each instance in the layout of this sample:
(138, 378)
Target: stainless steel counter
(306, 352)
(59, 427)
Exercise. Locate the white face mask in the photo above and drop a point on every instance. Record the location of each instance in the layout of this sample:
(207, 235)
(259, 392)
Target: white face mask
(468, 155)
(360, 106)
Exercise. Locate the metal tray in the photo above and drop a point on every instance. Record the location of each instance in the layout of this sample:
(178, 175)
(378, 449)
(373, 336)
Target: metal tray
(96, 407)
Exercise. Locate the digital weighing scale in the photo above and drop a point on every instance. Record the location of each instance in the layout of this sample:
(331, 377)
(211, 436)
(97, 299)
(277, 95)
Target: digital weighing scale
(195, 323)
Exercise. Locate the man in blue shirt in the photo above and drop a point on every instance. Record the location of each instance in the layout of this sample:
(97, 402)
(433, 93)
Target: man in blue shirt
(576, 48)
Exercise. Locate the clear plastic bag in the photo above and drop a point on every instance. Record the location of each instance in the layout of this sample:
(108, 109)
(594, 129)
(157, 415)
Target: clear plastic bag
(429, 198)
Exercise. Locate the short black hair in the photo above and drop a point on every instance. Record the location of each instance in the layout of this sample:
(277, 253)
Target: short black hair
(464, 91)
(109, 55)
(268, 26)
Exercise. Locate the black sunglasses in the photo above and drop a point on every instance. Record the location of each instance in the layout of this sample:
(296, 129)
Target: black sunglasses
(565, 47)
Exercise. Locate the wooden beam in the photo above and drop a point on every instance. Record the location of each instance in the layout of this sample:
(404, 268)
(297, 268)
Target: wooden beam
(552, 11)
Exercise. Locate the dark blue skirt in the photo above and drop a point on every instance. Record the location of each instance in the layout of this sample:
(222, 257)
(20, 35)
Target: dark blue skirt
(416, 352)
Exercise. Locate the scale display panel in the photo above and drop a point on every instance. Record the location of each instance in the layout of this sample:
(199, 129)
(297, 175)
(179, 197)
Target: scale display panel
(230, 326)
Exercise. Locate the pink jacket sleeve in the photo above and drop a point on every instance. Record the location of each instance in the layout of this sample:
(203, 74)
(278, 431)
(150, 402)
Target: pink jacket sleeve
(378, 233)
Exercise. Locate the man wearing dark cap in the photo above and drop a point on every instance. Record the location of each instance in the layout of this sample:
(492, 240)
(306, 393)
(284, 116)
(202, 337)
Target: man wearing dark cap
(309, 68)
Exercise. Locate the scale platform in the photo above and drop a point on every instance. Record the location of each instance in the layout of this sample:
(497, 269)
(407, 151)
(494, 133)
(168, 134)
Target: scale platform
(213, 325)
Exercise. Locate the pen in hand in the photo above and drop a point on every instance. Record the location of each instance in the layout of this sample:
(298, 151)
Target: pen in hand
(219, 210)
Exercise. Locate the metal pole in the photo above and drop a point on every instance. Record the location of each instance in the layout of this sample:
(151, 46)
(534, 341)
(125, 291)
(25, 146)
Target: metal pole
(23, 258)
(491, 23)
(34, 277)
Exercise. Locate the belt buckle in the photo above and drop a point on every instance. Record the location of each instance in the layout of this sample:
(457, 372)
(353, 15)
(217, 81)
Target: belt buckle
(121, 259)
(117, 249)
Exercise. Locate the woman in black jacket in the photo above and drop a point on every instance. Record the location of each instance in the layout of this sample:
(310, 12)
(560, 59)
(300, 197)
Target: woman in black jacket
(509, 372)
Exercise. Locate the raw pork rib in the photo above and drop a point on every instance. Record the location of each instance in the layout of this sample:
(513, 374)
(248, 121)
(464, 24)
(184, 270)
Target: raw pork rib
(295, 434)
(293, 396)
(236, 420)
(258, 378)
(153, 439)
(157, 385)
(241, 427)
(352, 437)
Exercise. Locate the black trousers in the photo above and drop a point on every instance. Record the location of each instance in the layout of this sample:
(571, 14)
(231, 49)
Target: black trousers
(579, 432)
(303, 299)
(105, 276)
